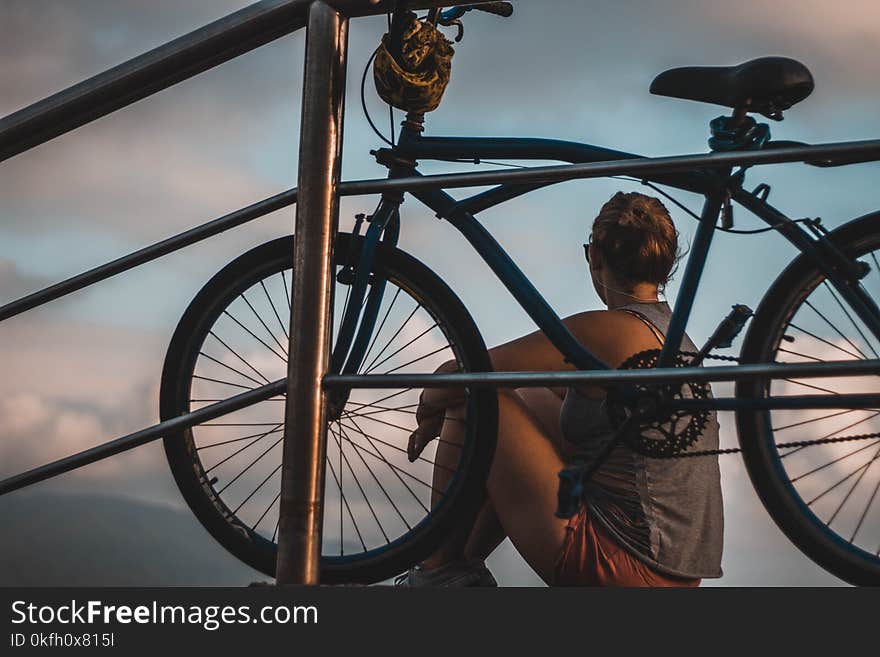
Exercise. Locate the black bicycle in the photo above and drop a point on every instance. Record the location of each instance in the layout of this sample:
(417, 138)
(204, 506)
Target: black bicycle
(810, 445)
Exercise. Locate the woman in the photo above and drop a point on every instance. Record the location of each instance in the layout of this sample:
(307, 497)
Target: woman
(645, 522)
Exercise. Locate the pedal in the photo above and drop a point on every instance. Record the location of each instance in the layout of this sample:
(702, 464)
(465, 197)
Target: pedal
(726, 332)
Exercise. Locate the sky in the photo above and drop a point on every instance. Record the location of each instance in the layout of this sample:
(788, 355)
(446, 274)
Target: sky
(86, 369)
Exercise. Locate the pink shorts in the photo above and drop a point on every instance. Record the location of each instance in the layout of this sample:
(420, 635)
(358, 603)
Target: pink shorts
(590, 556)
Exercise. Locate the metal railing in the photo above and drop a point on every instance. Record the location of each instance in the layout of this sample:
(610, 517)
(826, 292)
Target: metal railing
(316, 197)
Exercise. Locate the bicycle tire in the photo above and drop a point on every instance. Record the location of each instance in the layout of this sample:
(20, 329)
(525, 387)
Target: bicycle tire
(764, 463)
(465, 492)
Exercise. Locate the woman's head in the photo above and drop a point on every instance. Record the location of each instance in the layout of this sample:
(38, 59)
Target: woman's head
(633, 245)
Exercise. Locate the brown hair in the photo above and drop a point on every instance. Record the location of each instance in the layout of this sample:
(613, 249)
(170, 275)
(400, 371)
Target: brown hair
(637, 239)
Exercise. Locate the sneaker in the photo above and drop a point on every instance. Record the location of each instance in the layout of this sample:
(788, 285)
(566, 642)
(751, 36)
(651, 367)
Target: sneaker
(456, 573)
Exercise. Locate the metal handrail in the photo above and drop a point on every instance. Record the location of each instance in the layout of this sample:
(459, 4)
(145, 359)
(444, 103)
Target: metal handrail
(604, 377)
(472, 379)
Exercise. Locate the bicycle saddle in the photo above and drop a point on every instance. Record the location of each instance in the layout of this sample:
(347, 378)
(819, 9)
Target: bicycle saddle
(767, 85)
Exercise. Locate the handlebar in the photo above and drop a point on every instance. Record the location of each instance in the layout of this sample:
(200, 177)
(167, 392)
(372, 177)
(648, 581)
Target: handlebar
(503, 9)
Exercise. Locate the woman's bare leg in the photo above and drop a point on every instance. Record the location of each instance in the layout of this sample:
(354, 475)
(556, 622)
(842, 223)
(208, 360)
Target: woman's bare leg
(487, 534)
(522, 489)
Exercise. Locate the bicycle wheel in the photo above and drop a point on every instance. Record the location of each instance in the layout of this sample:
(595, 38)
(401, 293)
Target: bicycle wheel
(823, 495)
(378, 516)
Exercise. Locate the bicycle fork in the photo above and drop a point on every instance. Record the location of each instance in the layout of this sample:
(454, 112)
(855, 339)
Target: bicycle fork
(359, 318)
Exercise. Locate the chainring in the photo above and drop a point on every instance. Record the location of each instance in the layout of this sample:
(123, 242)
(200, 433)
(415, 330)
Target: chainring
(659, 434)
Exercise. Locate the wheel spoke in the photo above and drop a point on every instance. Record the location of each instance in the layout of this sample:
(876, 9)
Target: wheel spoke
(836, 330)
(406, 408)
(847, 477)
(817, 419)
(833, 434)
(397, 468)
(864, 469)
(252, 464)
(796, 353)
(237, 355)
(268, 508)
(286, 292)
(416, 360)
(230, 368)
(226, 383)
(865, 512)
(387, 397)
(240, 424)
(238, 451)
(396, 333)
(851, 320)
(379, 330)
(214, 401)
(370, 439)
(348, 508)
(402, 409)
(394, 470)
(237, 440)
(393, 354)
(811, 386)
(275, 310)
(254, 335)
(357, 481)
(341, 518)
(397, 426)
(253, 492)
(265, 326)
(832, 462)
(342, 432)
(824, 341)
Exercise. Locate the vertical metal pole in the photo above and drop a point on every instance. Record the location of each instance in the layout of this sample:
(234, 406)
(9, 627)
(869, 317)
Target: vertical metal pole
(317, 218)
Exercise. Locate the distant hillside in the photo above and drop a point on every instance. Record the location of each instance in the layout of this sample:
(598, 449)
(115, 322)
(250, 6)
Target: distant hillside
(92, 540)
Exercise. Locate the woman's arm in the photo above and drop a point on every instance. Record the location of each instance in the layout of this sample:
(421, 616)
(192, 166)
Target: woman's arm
(534, 352)
(611, 335)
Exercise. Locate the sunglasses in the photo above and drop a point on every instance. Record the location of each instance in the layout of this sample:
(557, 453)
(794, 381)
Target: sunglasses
(587, 249)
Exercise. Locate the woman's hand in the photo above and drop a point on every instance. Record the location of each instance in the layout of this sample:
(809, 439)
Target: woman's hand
(431, 412)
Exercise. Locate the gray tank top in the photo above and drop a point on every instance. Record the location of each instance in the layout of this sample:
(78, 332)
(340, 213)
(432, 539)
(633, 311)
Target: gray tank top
(666, 512)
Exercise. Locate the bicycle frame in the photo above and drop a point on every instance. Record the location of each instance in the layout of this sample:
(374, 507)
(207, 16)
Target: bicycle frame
(718, 186)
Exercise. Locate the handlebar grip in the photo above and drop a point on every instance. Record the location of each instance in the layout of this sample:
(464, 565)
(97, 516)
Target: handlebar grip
(504, 9)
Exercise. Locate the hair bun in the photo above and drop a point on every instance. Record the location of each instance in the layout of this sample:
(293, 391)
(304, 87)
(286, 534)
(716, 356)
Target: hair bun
(637, 238)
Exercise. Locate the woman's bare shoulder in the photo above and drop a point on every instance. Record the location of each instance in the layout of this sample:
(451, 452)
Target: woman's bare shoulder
(613, 335)
(591, 320)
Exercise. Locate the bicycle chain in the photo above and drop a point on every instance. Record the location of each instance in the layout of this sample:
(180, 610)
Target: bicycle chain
(737, 450)
(797, 443)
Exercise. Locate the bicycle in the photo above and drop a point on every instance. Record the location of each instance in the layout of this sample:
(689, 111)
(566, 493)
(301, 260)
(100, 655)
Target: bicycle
(388, 290)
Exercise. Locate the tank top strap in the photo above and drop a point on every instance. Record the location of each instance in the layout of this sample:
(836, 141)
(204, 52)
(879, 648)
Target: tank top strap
(658, 333)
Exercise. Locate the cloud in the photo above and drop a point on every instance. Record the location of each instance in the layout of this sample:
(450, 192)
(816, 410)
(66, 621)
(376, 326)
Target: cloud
(69, 386)
(141, 183)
